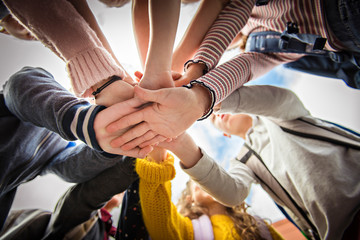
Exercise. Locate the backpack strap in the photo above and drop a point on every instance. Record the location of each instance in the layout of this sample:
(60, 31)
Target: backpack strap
(291, 41)
(270, 184)
(314, 128)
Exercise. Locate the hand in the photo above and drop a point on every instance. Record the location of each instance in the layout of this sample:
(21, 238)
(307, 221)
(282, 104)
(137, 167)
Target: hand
(193, 72)
(157, 155)
(113, 113)
(157, 80)
(175, 75)
(171, 112)
(185, 149)
(116, 92)
(12, 27)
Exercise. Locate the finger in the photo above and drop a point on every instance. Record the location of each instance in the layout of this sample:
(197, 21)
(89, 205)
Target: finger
(138, 74)
(135, 152)
(118, 110)
(136, 142)
(130, 135)
(156, 139)
(145, 151)
(127, 121)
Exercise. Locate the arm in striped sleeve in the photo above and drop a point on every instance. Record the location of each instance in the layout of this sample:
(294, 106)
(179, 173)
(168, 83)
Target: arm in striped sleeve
(231, 75)
(228, 24)
(78, 123)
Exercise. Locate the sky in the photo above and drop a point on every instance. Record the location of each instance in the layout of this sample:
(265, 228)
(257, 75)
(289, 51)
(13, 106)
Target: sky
(326, 98)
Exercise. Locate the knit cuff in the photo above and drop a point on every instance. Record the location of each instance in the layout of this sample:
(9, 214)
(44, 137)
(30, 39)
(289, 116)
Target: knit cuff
(90, 67)
(156, 172)
(78, 124)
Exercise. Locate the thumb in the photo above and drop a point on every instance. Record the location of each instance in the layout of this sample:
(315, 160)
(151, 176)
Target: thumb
(147, 94)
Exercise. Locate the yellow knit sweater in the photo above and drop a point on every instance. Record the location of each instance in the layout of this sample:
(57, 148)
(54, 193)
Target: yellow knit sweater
(161, 218)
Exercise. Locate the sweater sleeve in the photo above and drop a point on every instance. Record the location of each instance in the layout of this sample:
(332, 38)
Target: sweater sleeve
(274, 233)
(60, 27)
(228, 24)
(212, 178)
(161, 218)
(231, 75)
(267, 101)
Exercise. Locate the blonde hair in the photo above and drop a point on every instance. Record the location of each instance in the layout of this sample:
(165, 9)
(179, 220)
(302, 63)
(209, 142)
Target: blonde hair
(245, 224)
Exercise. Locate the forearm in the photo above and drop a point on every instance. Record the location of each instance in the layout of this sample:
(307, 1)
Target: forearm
(233, 74)
(229, 22)
(60, 27)
(84, 10)
(164, 16)
(31, 87)
(57, 109)
(83, 200)
(206, 14)
(141, 24)
(212, 178)
(268, 101)
(186, 150)
(155, 198)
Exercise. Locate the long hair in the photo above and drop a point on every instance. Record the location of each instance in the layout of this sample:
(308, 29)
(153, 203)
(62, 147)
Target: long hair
(245, 224)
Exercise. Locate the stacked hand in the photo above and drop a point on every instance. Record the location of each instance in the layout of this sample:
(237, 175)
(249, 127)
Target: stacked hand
(135, 125)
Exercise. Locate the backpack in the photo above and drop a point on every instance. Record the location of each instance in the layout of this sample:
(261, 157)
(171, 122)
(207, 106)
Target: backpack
(341, 65)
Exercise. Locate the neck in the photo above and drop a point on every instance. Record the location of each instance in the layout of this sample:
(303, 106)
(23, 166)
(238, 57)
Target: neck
(216, 208)
(246, 125)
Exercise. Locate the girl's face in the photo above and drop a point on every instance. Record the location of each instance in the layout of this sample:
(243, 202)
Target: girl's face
(231, 124)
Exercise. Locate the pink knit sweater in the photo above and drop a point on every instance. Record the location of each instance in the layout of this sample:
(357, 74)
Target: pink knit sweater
(60, 27)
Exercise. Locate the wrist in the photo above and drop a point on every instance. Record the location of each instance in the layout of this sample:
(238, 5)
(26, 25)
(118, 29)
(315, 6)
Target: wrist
(195, 69)
(187, 151)
(205, 97)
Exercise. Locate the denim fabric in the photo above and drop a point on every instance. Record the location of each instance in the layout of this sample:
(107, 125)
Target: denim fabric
(343, 17)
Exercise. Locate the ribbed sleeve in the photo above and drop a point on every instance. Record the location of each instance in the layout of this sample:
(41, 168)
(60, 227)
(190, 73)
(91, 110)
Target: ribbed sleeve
(59, 26)
(89, 67)
(160, 215)
(228, 24)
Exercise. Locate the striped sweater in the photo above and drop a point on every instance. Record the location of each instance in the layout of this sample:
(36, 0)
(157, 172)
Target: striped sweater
(244, 16)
